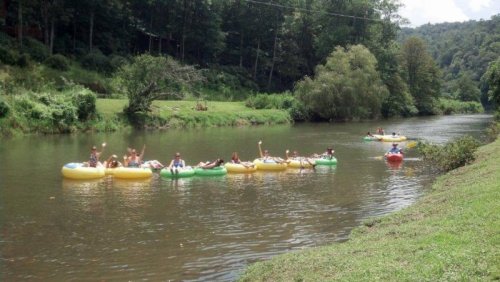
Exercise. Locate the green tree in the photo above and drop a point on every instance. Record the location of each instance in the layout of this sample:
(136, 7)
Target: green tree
(348, 86)
(466, 89)
(492, 78)
(422, 75)
(149, 78)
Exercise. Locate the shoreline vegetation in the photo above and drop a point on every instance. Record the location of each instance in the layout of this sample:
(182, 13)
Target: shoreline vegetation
(451, 233)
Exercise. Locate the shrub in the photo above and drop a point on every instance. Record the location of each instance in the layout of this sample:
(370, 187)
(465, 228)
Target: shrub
(58, 62)
(450, 156)
(286, 101)
(4, 109)
(97, 61)
(85, 103)
(117, 62)
(8, 56)
(36, 49)
(449, 107)
(6, 40)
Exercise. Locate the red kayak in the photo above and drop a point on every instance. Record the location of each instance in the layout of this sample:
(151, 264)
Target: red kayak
(394, 157)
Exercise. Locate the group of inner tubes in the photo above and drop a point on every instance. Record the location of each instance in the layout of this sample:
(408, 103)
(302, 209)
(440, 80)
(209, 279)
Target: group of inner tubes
(135, 160)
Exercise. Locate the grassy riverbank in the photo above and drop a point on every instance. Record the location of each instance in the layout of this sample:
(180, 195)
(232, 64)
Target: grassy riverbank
(452, 233)
(177, 114)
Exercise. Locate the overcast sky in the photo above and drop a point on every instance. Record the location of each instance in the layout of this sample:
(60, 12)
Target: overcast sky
(420, 12)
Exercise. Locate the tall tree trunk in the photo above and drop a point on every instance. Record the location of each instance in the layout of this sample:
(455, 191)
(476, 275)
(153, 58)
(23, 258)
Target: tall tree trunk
(159, 44)
(256, 60)
(45, 15)
(273, 61)
(74, 32)
(150, 33)
(20, 23)
(52, 33)
(91, 32)
(241, 48)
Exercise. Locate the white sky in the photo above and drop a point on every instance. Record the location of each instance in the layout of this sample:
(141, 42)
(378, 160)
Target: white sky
(420, 12)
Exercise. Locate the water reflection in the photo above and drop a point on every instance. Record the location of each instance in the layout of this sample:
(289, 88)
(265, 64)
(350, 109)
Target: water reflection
(199, 228)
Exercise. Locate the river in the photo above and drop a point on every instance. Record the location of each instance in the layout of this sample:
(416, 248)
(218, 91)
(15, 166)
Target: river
(198, 228)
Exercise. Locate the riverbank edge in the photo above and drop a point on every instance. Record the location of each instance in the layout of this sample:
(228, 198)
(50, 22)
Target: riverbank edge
(110, 118)
(451, 233)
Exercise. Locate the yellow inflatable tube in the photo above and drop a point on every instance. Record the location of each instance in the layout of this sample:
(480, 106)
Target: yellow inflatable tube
(131, 172)
(79, 172)
(390, 138)
(239, 168)
(301, 163)
(269, 165)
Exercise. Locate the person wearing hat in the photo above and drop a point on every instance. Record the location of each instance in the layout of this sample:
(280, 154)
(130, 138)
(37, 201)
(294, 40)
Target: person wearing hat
(94, 156)
(395, 149)
(176, 163)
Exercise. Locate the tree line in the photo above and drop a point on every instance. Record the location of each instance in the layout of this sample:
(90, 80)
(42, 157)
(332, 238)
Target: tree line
(342, 59)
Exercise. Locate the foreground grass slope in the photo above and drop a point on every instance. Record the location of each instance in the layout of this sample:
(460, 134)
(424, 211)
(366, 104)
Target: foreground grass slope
(452, 233)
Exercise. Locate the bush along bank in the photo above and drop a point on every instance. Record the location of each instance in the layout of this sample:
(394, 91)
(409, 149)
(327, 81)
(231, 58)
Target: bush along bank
(52, 112)
(449, 234)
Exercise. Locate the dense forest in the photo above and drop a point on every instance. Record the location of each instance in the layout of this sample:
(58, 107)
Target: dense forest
(327, 59)
(463, 52)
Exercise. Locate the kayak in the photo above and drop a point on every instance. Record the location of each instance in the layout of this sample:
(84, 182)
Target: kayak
(131, 172)
(183, 172)
(326, 161)
(394, 157)
(371, 138)
(219, 170)
(390, 138)
(301, 163)
(269, 165)
(78, 171)
(239, 168)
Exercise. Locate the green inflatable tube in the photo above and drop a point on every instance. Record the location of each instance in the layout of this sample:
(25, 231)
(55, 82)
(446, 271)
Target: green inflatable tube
(220, 170)
(185, 172)
(326, 161)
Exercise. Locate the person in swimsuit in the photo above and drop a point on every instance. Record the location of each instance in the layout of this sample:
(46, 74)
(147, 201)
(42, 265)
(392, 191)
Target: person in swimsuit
(112, 162)
(326, 155)
(209, 165)
(176, 164)
(94, 156)
(134, 160)
(235, 159)
(266, 157)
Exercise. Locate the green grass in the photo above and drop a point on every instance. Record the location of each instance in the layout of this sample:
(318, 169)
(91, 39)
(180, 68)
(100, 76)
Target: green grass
(452, 233)
(183, 114)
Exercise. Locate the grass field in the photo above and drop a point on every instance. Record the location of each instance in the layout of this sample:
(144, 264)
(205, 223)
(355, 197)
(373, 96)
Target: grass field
(451, 234)
(183, 113)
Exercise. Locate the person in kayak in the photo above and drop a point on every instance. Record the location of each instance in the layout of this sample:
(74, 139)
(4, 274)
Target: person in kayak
(369, 134)
(394, 149)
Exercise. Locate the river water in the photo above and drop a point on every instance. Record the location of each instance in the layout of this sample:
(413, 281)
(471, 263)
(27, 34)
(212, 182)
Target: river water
(207, 228)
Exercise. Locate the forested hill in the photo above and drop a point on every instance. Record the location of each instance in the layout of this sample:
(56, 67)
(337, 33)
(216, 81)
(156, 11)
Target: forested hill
(271, 43)
(462, 50)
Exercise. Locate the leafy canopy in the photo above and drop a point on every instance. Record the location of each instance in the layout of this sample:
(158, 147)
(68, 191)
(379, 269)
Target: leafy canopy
(348, 86)
(149, 78)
